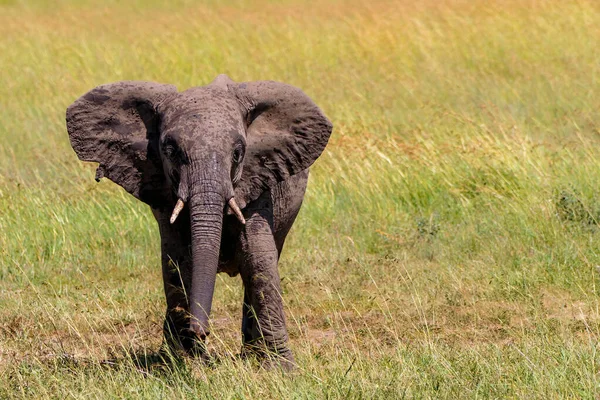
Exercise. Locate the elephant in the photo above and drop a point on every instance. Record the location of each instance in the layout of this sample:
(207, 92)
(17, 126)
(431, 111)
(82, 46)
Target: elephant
(224, 168)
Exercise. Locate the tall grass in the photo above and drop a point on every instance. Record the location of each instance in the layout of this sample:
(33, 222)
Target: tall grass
(447, 246)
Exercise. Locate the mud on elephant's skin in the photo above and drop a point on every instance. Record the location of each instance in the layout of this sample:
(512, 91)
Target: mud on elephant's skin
(224, 168)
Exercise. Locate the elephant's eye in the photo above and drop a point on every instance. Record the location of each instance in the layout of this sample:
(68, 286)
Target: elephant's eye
(169, 148)
(238, 154)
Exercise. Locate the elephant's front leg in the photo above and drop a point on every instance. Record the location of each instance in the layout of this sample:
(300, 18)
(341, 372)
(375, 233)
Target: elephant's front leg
(176, 270)
(263, 325)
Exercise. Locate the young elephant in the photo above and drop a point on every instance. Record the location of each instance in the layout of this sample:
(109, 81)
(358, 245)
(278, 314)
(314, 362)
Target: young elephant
(234, 157)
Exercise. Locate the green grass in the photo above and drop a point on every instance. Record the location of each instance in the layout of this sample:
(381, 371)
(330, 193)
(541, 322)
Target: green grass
(448, 244)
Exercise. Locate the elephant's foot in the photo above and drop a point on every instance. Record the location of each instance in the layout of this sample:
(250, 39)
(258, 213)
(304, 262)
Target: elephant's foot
(268, 356)
(268, 345)
(180, 339)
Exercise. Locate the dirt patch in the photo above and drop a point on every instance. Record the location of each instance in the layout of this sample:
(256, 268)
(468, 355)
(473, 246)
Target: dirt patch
(561, 306)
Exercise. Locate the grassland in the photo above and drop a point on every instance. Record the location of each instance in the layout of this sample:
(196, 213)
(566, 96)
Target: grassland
(449, 241)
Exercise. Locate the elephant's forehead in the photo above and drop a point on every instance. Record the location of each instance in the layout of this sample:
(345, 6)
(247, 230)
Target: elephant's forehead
(203, 111)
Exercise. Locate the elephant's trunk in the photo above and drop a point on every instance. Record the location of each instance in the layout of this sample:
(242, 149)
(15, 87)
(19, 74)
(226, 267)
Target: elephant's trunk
(206, 204)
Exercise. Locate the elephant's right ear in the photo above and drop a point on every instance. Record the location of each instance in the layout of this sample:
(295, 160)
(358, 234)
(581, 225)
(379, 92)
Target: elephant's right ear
(117, 125)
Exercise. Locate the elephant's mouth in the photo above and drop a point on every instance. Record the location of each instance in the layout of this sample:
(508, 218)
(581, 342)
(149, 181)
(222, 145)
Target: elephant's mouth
(230, 203)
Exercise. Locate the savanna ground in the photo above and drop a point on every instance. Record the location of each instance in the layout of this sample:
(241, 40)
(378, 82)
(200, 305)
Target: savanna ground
(449, 241)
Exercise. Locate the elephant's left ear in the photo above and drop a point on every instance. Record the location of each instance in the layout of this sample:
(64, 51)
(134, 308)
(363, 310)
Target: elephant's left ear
(286, 133)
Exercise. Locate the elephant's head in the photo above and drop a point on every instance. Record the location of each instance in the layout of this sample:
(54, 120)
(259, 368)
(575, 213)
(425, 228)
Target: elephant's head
(213, 149)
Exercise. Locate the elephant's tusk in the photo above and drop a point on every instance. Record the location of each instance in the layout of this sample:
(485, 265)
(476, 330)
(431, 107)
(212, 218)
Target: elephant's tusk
(177, 210)
(236, 210)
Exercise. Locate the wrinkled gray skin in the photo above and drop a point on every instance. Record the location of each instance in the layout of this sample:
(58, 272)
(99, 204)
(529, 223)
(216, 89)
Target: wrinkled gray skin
(251, 141)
